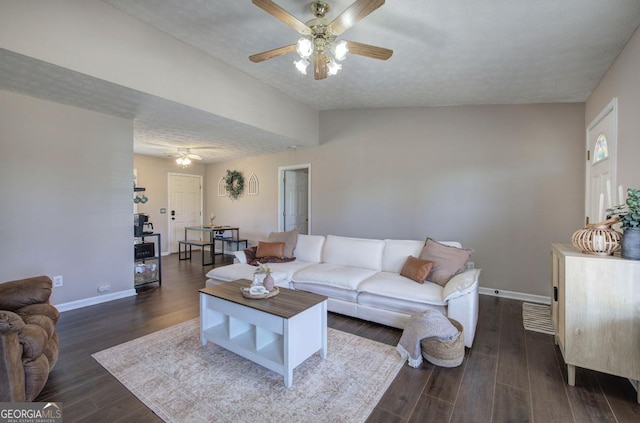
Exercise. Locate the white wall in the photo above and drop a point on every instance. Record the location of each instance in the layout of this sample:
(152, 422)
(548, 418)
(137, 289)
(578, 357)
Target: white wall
(65, 184)
(504, 180)
(95, 39)
(622, 80)
(256, 215)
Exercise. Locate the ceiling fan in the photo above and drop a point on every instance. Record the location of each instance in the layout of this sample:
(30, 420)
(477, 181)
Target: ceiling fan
(319, 37)
(184, 156)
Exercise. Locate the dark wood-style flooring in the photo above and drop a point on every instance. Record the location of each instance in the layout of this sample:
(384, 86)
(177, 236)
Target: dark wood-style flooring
(510, 375)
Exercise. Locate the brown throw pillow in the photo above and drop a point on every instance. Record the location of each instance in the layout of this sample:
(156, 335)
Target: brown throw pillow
(416, 269)
(447, 261)
(270, 249)
(290, 239)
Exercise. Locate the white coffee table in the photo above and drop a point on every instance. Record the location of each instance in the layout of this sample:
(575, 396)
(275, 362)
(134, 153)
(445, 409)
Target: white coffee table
(278, 333)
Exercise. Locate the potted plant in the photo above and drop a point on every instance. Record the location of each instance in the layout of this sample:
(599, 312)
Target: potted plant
(629, 215)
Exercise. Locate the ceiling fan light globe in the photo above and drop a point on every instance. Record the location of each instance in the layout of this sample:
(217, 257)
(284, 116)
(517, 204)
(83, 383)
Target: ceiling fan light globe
(183, 161)
(333, 67)
(340, 50)
(304, 47)
(302, 65)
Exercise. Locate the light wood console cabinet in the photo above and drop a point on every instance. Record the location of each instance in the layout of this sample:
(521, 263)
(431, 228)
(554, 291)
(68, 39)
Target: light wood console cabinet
(596, 312)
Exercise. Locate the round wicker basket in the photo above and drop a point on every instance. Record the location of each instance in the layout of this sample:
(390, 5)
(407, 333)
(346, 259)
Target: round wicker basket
(270, 294)
(445, 353)
(597, 239)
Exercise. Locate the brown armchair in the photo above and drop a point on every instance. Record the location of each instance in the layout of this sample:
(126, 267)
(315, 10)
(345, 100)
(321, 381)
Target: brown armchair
(28, 338)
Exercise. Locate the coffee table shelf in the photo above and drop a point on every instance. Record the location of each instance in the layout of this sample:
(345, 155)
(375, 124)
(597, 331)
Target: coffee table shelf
(278, 333)
(250, 344)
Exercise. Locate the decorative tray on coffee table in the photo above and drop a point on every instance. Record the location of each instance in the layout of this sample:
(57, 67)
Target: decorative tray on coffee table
(273, 293)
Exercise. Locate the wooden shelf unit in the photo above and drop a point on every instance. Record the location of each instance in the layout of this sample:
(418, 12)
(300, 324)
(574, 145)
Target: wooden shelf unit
(596, 312)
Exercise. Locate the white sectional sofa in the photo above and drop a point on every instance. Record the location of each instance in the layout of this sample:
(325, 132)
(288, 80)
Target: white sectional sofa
(362, 279)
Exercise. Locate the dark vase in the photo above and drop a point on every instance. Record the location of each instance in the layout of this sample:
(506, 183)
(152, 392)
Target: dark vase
(630, 244)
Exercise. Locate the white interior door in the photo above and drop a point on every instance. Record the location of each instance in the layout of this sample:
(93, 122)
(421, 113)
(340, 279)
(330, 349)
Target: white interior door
(601, 191)
(185, 206)
(295, 198)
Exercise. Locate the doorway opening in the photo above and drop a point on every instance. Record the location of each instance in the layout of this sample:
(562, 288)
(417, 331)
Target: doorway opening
(294, 198)
(602, 145)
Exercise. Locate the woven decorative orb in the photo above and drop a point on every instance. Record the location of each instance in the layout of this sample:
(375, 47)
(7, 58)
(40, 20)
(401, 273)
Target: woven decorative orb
(598, 239)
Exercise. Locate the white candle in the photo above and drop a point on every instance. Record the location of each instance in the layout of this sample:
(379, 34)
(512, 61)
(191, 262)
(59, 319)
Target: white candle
(620, 195)
(598, 243)
(609, 203)
(601, 207)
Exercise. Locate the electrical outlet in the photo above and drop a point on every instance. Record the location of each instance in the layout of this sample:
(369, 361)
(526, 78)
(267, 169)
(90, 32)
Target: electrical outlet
(57, 281)
(104, 288)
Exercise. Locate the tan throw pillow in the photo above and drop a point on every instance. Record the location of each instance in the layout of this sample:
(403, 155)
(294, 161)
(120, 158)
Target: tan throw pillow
(416, 269)
(447, 261)
(290, 239)
(270, 249)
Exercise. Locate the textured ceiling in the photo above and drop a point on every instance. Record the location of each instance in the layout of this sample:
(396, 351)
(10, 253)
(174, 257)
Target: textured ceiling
(446, 52)
(160, 126)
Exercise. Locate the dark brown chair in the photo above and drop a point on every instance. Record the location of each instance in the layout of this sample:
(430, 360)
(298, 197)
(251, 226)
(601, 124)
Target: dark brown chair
(28, 338)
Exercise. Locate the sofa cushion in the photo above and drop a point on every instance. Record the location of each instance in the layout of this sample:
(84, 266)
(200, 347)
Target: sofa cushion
(353, 252)
(290, 238)
(309, 248)
(416, 269)
(43, 321)
(392, 285)
(447, 260)
(270, 249)
(44, 309)
(290, 268)
(396, 252)
(20, 293)
(237, 271)
(334, 292)
(333, 275)
(397, 305)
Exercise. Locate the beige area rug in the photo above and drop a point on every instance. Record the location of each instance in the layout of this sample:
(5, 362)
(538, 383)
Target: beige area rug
(537, 318)
(181, 381)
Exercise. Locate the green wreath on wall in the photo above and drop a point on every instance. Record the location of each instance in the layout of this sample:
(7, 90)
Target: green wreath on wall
(234, 183)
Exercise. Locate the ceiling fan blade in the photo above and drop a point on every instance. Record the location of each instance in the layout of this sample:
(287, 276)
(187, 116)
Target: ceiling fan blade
(282, 15)
(357, 11)
(320, 66)
(369, 50)
(266, 55)
(194, 156)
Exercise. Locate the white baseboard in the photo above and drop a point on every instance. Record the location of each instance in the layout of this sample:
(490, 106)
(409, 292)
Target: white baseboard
(95, 300)
(515, 295)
